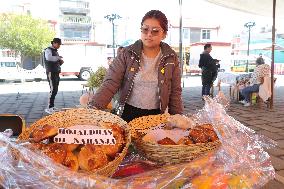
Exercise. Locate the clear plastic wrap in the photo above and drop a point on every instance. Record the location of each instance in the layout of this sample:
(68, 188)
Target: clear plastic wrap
(240, 162)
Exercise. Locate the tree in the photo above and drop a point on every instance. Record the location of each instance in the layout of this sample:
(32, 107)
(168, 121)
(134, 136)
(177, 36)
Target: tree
(25, 35)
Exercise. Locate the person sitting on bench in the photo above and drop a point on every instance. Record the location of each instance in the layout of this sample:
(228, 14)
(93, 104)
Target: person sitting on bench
(261, 70)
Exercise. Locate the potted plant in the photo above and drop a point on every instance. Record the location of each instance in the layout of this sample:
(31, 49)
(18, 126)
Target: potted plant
(96, 78)
(95, 81)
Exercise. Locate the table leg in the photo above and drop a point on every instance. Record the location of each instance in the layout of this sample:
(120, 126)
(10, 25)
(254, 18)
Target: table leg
(219, 86)
(238, 93)
(212, 90)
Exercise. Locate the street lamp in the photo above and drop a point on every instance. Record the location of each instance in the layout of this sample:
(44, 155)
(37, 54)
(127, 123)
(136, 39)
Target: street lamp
(111, 18)
(249, 25)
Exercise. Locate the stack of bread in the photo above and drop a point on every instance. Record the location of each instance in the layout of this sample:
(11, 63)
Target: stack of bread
(181, 130)
(200, 134)
(87, 157)
(172, 139)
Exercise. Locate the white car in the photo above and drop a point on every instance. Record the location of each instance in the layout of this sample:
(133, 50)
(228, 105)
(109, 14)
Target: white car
(9, 70)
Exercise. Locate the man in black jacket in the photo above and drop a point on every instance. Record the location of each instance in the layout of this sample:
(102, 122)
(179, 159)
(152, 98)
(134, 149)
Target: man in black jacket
(52, 64)
(209, 69)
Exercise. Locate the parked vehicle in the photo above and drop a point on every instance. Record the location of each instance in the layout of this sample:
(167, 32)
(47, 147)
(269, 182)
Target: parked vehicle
(82, 59)
(239, 62)
(9, 69)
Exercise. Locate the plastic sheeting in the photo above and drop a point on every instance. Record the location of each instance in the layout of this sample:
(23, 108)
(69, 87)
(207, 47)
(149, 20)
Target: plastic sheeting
(240, 162)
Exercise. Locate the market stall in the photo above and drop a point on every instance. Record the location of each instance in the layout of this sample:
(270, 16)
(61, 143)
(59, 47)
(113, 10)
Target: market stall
(209, 149)
(234, 80)
(265, 8)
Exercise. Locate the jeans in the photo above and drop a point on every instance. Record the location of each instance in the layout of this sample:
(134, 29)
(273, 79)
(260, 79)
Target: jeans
(206, 89)
(248, 90)
(53, 80)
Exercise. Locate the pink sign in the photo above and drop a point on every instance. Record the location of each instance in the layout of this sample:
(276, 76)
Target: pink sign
(85, 135)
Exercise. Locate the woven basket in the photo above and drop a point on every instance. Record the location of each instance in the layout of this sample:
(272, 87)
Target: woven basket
(165, 154)
(83, 116)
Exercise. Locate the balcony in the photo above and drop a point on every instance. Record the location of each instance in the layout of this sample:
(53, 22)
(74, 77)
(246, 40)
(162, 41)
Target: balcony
(69, 6)
(67, 20)
(75, 40)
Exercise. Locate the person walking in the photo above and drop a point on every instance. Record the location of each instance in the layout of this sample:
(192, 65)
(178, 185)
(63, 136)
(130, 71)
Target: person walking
(209, 69)
(53, 64)
(146, 74)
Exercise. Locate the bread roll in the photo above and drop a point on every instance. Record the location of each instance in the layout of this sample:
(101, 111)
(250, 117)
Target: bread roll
(118, 134)
(43, 132)
(166, 141)
(71, 161)
(185, 141)
(70, 147)
(92, 157)
(198, 135)
(55, 151)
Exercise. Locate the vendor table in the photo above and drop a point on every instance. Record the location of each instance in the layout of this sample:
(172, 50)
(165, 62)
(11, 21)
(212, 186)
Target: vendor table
(232, 78)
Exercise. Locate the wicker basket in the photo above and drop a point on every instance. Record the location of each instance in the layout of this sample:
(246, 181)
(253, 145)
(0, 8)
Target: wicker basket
(83, 116)
(165, 154)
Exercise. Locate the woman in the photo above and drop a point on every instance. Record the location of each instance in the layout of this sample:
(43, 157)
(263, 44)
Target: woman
(146, 74)
(261, 70)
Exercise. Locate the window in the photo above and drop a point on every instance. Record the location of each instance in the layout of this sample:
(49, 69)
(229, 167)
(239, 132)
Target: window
(205, 34)
(8, 64)
(185, 33)
(75, 33)
(35, 61)
(68, 33)
(85, 34)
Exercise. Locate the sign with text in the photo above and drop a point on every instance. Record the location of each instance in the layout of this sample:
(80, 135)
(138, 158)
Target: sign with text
(85, 135)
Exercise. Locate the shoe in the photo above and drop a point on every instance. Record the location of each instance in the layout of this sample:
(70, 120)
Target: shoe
(247, 104)
(51, 110)
(55, 109)
(243, 101)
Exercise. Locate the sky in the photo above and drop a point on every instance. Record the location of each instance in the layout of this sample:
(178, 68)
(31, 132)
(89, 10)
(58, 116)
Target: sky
(133, 10)
(231, 21)
(198, 9)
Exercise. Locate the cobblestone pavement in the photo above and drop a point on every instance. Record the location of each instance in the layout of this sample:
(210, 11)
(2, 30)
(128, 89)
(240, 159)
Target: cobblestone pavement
(269, 122)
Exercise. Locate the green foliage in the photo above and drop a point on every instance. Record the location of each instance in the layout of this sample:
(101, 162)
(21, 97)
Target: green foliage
(96, 79)
(24, 34)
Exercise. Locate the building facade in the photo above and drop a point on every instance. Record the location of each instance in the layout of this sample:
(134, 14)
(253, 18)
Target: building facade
(70, 19)
(75, 22)
(193, 31)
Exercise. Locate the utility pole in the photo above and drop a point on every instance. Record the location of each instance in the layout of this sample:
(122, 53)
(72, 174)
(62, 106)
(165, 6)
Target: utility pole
(249, 25)
(180, 40)
(272, 55)
(111, 18)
